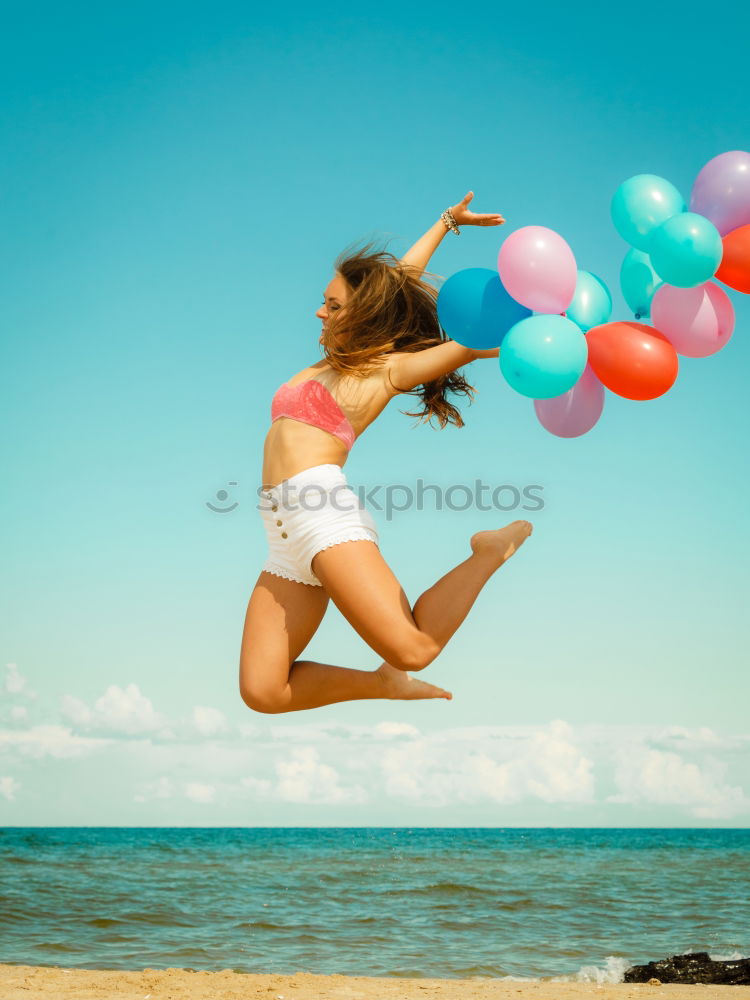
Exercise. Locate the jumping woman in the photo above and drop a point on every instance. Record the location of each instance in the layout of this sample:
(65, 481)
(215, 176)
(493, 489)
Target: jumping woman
(380, 337)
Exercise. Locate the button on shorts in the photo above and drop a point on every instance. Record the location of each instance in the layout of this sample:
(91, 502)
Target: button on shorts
(307, 513)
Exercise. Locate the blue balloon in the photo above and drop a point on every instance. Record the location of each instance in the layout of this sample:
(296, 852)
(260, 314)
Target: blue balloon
(475, 310)
(642, 203)
(686, 250)
(639, 281)
(592, 303)
(543, 356)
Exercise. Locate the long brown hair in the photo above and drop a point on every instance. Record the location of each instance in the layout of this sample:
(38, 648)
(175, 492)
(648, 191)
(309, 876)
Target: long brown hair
(389, 308)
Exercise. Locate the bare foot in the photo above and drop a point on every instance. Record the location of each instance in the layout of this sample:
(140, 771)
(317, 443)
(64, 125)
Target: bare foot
(398, 684)
(501, 543)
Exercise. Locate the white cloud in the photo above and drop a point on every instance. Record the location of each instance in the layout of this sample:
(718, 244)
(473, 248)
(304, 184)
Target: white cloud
(396, 729)
(48, 741)
(248, 731)
(197, 792)
(208, 721)
(8, 787)
(161, 788)
(76, 711)
(488, 779)
(15, 683)
(122, 711)
(127, 712)
(333, 733)
(302, 777)
(689, 772)
(404, 773)
(554, 769)
(547, 765)
(686, 740)
(661, 777)
(261, 787)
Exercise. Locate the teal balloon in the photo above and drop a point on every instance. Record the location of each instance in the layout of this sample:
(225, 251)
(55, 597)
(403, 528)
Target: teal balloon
(638, 281)
(686, 250)
(592, 303)
(475, 310)
(543, 356)
(642, 203)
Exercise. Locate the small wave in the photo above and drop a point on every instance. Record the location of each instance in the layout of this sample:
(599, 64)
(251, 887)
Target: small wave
(18, 915)
(736, 956)
(263, 925)
(613, 972)
(164, 918)
(457, 888)
(483, 973)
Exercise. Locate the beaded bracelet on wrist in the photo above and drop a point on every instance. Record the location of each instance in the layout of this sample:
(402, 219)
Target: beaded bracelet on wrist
(450, 222)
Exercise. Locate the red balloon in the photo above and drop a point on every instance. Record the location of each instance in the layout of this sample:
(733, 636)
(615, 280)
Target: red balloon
(734, 269)
(632, 359)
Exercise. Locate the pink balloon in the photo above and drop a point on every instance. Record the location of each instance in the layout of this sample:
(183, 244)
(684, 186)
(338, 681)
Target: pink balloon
(538, 269)
(576, 411)
(697, 321)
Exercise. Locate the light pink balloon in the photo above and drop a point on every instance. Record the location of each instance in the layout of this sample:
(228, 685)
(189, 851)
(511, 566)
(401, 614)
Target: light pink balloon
(538, 269)
(576, 411)
(697, 321)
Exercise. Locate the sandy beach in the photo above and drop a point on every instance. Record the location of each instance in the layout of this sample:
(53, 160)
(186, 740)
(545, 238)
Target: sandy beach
(28, 982)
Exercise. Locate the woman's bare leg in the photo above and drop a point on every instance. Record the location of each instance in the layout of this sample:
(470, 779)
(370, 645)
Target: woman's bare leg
(367, 593)
(282, 616)
(441, 609)
(314, 684)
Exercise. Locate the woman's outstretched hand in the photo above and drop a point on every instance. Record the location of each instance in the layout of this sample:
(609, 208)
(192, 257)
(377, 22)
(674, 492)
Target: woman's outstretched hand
(418, 256)
(465, 217)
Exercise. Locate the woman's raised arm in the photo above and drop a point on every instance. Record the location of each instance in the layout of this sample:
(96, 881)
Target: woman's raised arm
(419, 255)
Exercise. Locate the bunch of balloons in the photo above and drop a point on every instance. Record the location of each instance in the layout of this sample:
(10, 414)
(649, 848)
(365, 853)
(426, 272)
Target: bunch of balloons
(551, 320)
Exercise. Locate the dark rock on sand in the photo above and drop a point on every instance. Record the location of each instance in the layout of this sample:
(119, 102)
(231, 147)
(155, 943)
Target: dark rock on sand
(694, 968)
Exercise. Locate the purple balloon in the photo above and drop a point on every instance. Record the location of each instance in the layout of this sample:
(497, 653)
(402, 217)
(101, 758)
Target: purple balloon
(721, 191)
(576, 411)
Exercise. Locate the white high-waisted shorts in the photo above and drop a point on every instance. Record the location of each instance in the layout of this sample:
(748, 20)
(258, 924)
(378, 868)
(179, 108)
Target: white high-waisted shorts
(309, 512)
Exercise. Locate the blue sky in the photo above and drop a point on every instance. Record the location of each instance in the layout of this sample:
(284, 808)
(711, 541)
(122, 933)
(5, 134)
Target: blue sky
(176, 183)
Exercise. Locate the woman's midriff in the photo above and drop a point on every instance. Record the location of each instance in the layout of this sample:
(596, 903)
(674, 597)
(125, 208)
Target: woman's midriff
(292, 446)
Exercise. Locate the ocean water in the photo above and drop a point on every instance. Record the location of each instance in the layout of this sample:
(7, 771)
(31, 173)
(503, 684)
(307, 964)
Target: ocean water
(526, 903)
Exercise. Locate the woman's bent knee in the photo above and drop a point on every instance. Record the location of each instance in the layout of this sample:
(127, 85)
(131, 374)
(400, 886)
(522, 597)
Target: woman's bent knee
(415, 655)
(263, 698)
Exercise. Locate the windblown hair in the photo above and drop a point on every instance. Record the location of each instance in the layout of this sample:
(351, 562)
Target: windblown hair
(389, 308)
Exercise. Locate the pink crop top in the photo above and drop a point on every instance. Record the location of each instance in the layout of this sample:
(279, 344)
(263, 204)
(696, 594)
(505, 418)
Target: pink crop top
(312, 403)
